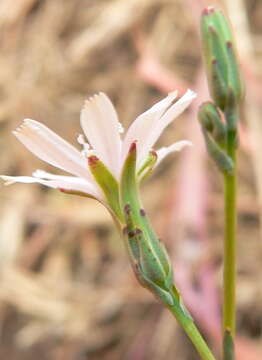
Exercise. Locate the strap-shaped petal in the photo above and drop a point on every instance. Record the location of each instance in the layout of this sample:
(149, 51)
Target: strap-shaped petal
(51, 148)
(160, 124)
(164, 151)
(68, 183)
(101, 127)
(142, 128)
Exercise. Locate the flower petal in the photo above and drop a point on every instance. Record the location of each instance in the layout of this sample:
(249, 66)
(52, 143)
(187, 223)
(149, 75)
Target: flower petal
(101, 127)
(144, 123)
(153, 126)
(41, 174)
(50, 147)
(69, 183)
(177, 146)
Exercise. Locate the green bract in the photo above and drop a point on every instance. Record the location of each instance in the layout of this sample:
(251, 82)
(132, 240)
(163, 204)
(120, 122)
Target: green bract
(107, 183)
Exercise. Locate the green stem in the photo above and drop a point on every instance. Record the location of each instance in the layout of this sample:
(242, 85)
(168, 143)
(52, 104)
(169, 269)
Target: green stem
(187, 323)
(229, 291)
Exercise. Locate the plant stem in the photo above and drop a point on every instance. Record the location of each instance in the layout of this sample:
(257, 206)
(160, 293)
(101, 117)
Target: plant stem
(187, 323)
(229, 297)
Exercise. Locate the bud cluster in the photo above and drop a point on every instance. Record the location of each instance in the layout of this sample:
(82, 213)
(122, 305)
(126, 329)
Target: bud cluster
(218, 119)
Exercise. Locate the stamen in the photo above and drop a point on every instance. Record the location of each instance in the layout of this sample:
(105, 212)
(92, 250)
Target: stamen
(87, 151)
(121, 129)
(81, 140)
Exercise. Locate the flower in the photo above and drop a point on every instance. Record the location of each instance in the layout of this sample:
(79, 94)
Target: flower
(101, 127)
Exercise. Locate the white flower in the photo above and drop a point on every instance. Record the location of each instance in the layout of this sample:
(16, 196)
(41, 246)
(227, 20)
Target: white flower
(102, 129)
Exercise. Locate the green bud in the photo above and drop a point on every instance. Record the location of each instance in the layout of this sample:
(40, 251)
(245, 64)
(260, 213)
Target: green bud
(147, 254)
(145, 262)
(108, 184)
(219, 155)
(211, 121)
(215, 135)
(224, 79)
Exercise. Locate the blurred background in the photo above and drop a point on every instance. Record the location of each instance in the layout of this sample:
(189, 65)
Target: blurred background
(66, 287)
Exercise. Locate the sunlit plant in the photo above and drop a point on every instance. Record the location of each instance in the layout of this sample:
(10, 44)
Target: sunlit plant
(112, 165)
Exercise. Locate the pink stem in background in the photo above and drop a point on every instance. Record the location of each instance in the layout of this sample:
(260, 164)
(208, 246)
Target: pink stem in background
(151, 71)
(190, 208)
(138, 349)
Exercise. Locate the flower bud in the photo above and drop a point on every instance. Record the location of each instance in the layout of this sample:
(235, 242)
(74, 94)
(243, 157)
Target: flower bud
(211, 121)
(224, 79)
(214, 131)
(148, 256)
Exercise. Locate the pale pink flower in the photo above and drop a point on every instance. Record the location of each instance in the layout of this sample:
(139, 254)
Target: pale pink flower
(102, 129)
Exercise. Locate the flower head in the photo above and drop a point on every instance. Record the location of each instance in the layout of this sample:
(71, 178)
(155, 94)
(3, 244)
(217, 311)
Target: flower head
(97, 169)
